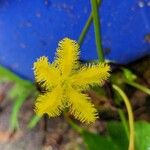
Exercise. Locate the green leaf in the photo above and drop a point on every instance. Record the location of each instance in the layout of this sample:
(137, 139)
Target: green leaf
(142, 135)
(118, 135)
(13, 93)
(117, 138)
(10, 76)
(97, 142)
(129, 75)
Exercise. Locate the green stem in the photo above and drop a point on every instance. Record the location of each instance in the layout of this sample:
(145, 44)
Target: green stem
(124, 121)
(16, 108)
(96, 21)
(33, 122)
(86, 27)
(139, 87)
(130, 115)
(72, 124)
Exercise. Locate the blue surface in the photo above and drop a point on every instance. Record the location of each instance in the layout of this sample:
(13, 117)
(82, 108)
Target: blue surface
(30, 29)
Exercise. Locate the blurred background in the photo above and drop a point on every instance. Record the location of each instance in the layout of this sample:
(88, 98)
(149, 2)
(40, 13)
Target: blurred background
(30, 29)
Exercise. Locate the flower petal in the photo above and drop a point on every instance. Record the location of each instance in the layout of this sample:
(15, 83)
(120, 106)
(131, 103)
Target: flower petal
(50, 103)
(81, 107)
(67, 55)
(91, 75)
(46, 73)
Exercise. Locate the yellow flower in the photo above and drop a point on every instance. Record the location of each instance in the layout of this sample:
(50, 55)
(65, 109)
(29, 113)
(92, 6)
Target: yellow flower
(65, 80)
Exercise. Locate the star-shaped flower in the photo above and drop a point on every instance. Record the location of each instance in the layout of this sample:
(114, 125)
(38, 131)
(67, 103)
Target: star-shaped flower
(65, 80)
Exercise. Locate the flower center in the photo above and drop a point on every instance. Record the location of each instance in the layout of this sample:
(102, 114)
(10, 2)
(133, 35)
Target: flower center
(64, 82)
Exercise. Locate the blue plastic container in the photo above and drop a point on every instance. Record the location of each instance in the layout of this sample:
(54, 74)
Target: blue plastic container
(30, 29)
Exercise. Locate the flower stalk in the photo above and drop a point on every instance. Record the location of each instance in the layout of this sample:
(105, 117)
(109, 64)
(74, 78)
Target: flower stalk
(139, 87)
(130, 115)
(96, 20)
(87, 25)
